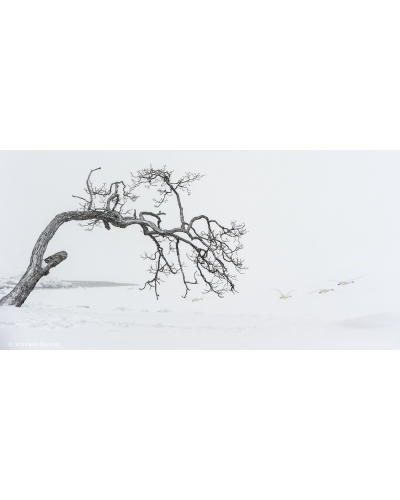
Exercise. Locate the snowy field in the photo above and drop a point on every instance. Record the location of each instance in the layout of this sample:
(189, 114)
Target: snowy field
(124, 318)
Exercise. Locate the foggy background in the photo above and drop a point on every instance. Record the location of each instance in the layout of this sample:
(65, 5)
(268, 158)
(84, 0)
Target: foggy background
(311, 216)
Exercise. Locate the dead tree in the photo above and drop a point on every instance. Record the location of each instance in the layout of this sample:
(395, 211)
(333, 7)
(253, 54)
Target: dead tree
(201, 249)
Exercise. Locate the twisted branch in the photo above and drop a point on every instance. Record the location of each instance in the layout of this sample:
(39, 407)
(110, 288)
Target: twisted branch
(213, 250)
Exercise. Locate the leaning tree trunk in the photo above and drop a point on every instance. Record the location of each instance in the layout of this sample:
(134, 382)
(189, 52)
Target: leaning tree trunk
(38, 266)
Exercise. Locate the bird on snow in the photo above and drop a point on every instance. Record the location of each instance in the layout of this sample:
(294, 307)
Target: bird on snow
(283, 296)
(323, 291)
(344, 283)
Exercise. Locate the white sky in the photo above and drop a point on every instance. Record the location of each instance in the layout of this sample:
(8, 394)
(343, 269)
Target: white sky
(311, 216)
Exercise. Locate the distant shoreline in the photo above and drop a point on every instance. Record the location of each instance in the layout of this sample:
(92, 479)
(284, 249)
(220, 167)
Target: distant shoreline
(65, 284)
(94, 284)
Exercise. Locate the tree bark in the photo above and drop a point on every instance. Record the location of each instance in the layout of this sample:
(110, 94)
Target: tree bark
(38, 266)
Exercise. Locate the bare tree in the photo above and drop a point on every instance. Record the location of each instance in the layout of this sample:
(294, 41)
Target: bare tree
(201, 249)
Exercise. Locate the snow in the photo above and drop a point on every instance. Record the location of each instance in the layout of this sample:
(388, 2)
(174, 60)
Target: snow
(126, 318)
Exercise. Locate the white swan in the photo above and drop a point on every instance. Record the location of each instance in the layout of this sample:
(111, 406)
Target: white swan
(344, 283)
(283, 296)
(197, 299)
(324, 290)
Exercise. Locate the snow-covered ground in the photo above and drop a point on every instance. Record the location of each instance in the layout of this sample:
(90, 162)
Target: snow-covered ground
(125, 318)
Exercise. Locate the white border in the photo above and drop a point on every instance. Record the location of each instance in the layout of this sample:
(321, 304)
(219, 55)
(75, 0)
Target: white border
(220, 75)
